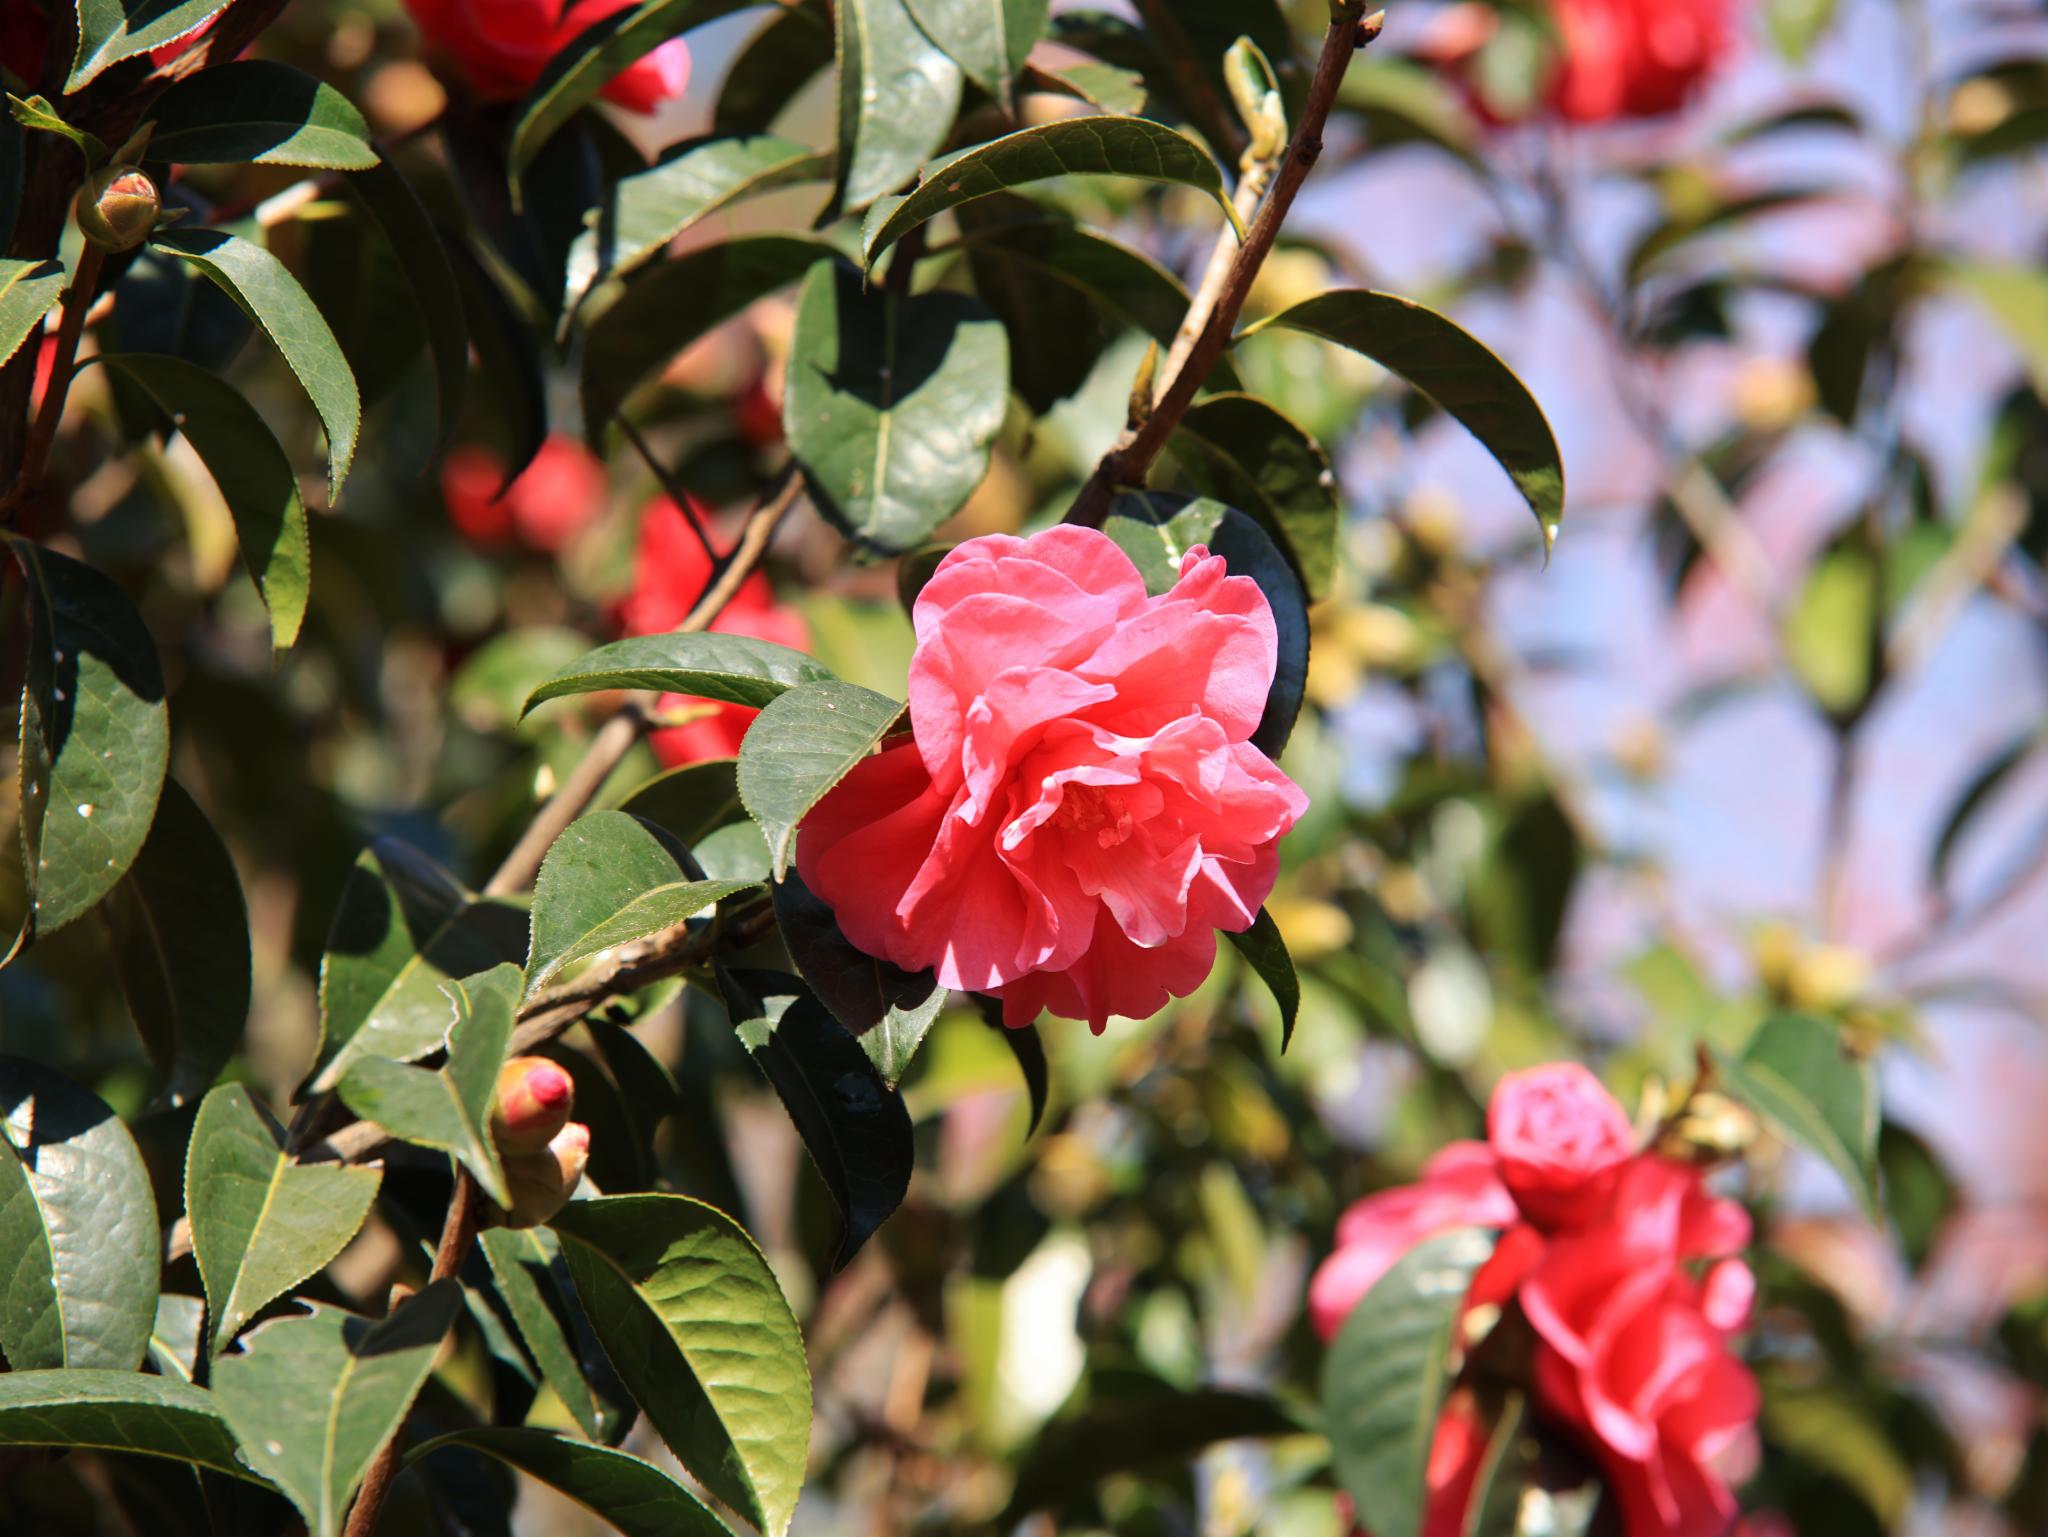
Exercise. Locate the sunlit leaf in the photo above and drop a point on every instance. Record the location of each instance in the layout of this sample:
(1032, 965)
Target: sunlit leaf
(802, 745)
(636, 1498)
(735, 668)
(262, 112)
(1798, 1073)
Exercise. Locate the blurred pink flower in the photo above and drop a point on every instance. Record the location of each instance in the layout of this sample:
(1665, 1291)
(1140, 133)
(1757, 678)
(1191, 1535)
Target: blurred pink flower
(1081, 808)
(1561, 1138)
(503, 45)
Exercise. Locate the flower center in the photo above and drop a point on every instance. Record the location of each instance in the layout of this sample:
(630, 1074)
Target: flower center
(1097, 809)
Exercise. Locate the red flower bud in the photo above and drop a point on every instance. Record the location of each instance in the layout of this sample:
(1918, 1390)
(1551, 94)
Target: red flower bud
(535, 1099)
(118, 207)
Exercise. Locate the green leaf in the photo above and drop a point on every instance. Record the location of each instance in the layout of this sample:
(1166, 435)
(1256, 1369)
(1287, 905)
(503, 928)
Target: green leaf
(644, 212)
(854, 1125)
(112, 30)
(312, 1399)
(1495, 1508)
(890, 1009)
(259, 111)
(450, 1109)
(78, 1228)
(1243, 452)
(95, 735)
(1076, 146)
(988, 39)
(1991, 776)
(423, 256)
(255, 477)
(1384, 1378)
(272, 297)
(37, 113)
(29, 290)
(509, 363)
(635, 1497)
(673, 303)
(736, 668)
(696, 1327)
(802, 745)
(1156, 530)
(1799, 1075)
(892, 404)
(534, 1281)
(1103, 86)
(898, 95)
(692, 802)
(1266, 953)
(1072, 1456)
(2017, 298)
(405, 928)
(94, 1409)
(577, 72)
(180, 934)
(1796, 25)
(1919, 1193)
(1454, 369)
(773, 68)
(178, 1337)
(262, 1223)
(610, 879)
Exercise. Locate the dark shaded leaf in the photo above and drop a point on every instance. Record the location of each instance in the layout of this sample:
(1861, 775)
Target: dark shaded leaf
(436, 291)
(890, 1009)
(261, 112)
(692, 802)
(779, 62)
(527, 1264)
(635, 1497)
(802, 745)
(1798, 1073)
(1245, 453)
(1266, 953)
(112, 30)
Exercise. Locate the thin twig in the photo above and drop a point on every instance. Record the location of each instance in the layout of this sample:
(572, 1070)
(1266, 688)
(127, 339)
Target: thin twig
(616, 738)
(670, 486)
(1215, 309)
(458, 1234)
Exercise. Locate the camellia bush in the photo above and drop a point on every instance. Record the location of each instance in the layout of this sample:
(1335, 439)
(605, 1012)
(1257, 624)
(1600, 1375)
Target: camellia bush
(757, 787)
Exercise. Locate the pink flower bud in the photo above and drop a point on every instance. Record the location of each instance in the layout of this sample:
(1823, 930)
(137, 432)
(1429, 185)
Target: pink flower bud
(118, 207)
(535, 1099)
(540, 1183)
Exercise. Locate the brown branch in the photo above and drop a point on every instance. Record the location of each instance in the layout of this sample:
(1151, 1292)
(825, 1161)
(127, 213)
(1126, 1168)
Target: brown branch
(1225, 288)
(77, 300)
(609, 748)
(458, 1233)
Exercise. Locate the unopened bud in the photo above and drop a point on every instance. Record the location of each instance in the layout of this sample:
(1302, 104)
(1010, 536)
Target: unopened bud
(117, 207)
(541, 1183)
(535, 1100)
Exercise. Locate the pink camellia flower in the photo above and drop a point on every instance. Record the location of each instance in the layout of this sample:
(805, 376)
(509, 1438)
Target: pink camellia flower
(1634, 1348)
(1560, 1138)
(670, 572)
(1081, 807)
(503, 45)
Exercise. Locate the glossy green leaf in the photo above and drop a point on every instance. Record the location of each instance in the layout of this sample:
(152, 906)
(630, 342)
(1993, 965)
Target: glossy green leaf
(29, 290)
(1798, 1073)
(1076, 146)
(577, 72)
(95, 1409)
(1072, 1456)
(95, 734)
(1157, 530)
(889, 1009)
(736, 668)
(423, 255)
(783, 57)
(898, 95)
(313, 1398)
(1266, 953)
(449, 1109)
(405, 928)
(988, 39)
(636, 1498)
(1247, 454)
(1103, 86)
(610, 879)
(642, 213)
(892, 405)
(1457, 371)
(255, 477)
(673, 303)
(78, 1227)
(39, 115)
(262, 1223)
(180, 940)
(178, 1337)
(802, 745)
(527, 1265)
(692, 802)
(853, 1124)
(1384, 1378)
(693, 1321)
(262, 112)
(112, 30)
(259, 283)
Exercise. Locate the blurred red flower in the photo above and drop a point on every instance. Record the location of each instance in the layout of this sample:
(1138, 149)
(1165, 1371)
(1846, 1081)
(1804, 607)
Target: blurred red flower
(1625, 1266)
(671, 571)
(1636, 58)
(554, 499)
(503, 45)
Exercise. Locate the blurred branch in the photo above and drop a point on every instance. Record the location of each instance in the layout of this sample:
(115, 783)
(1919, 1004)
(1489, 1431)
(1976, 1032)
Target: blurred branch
(618, 735)
(1212, 314)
